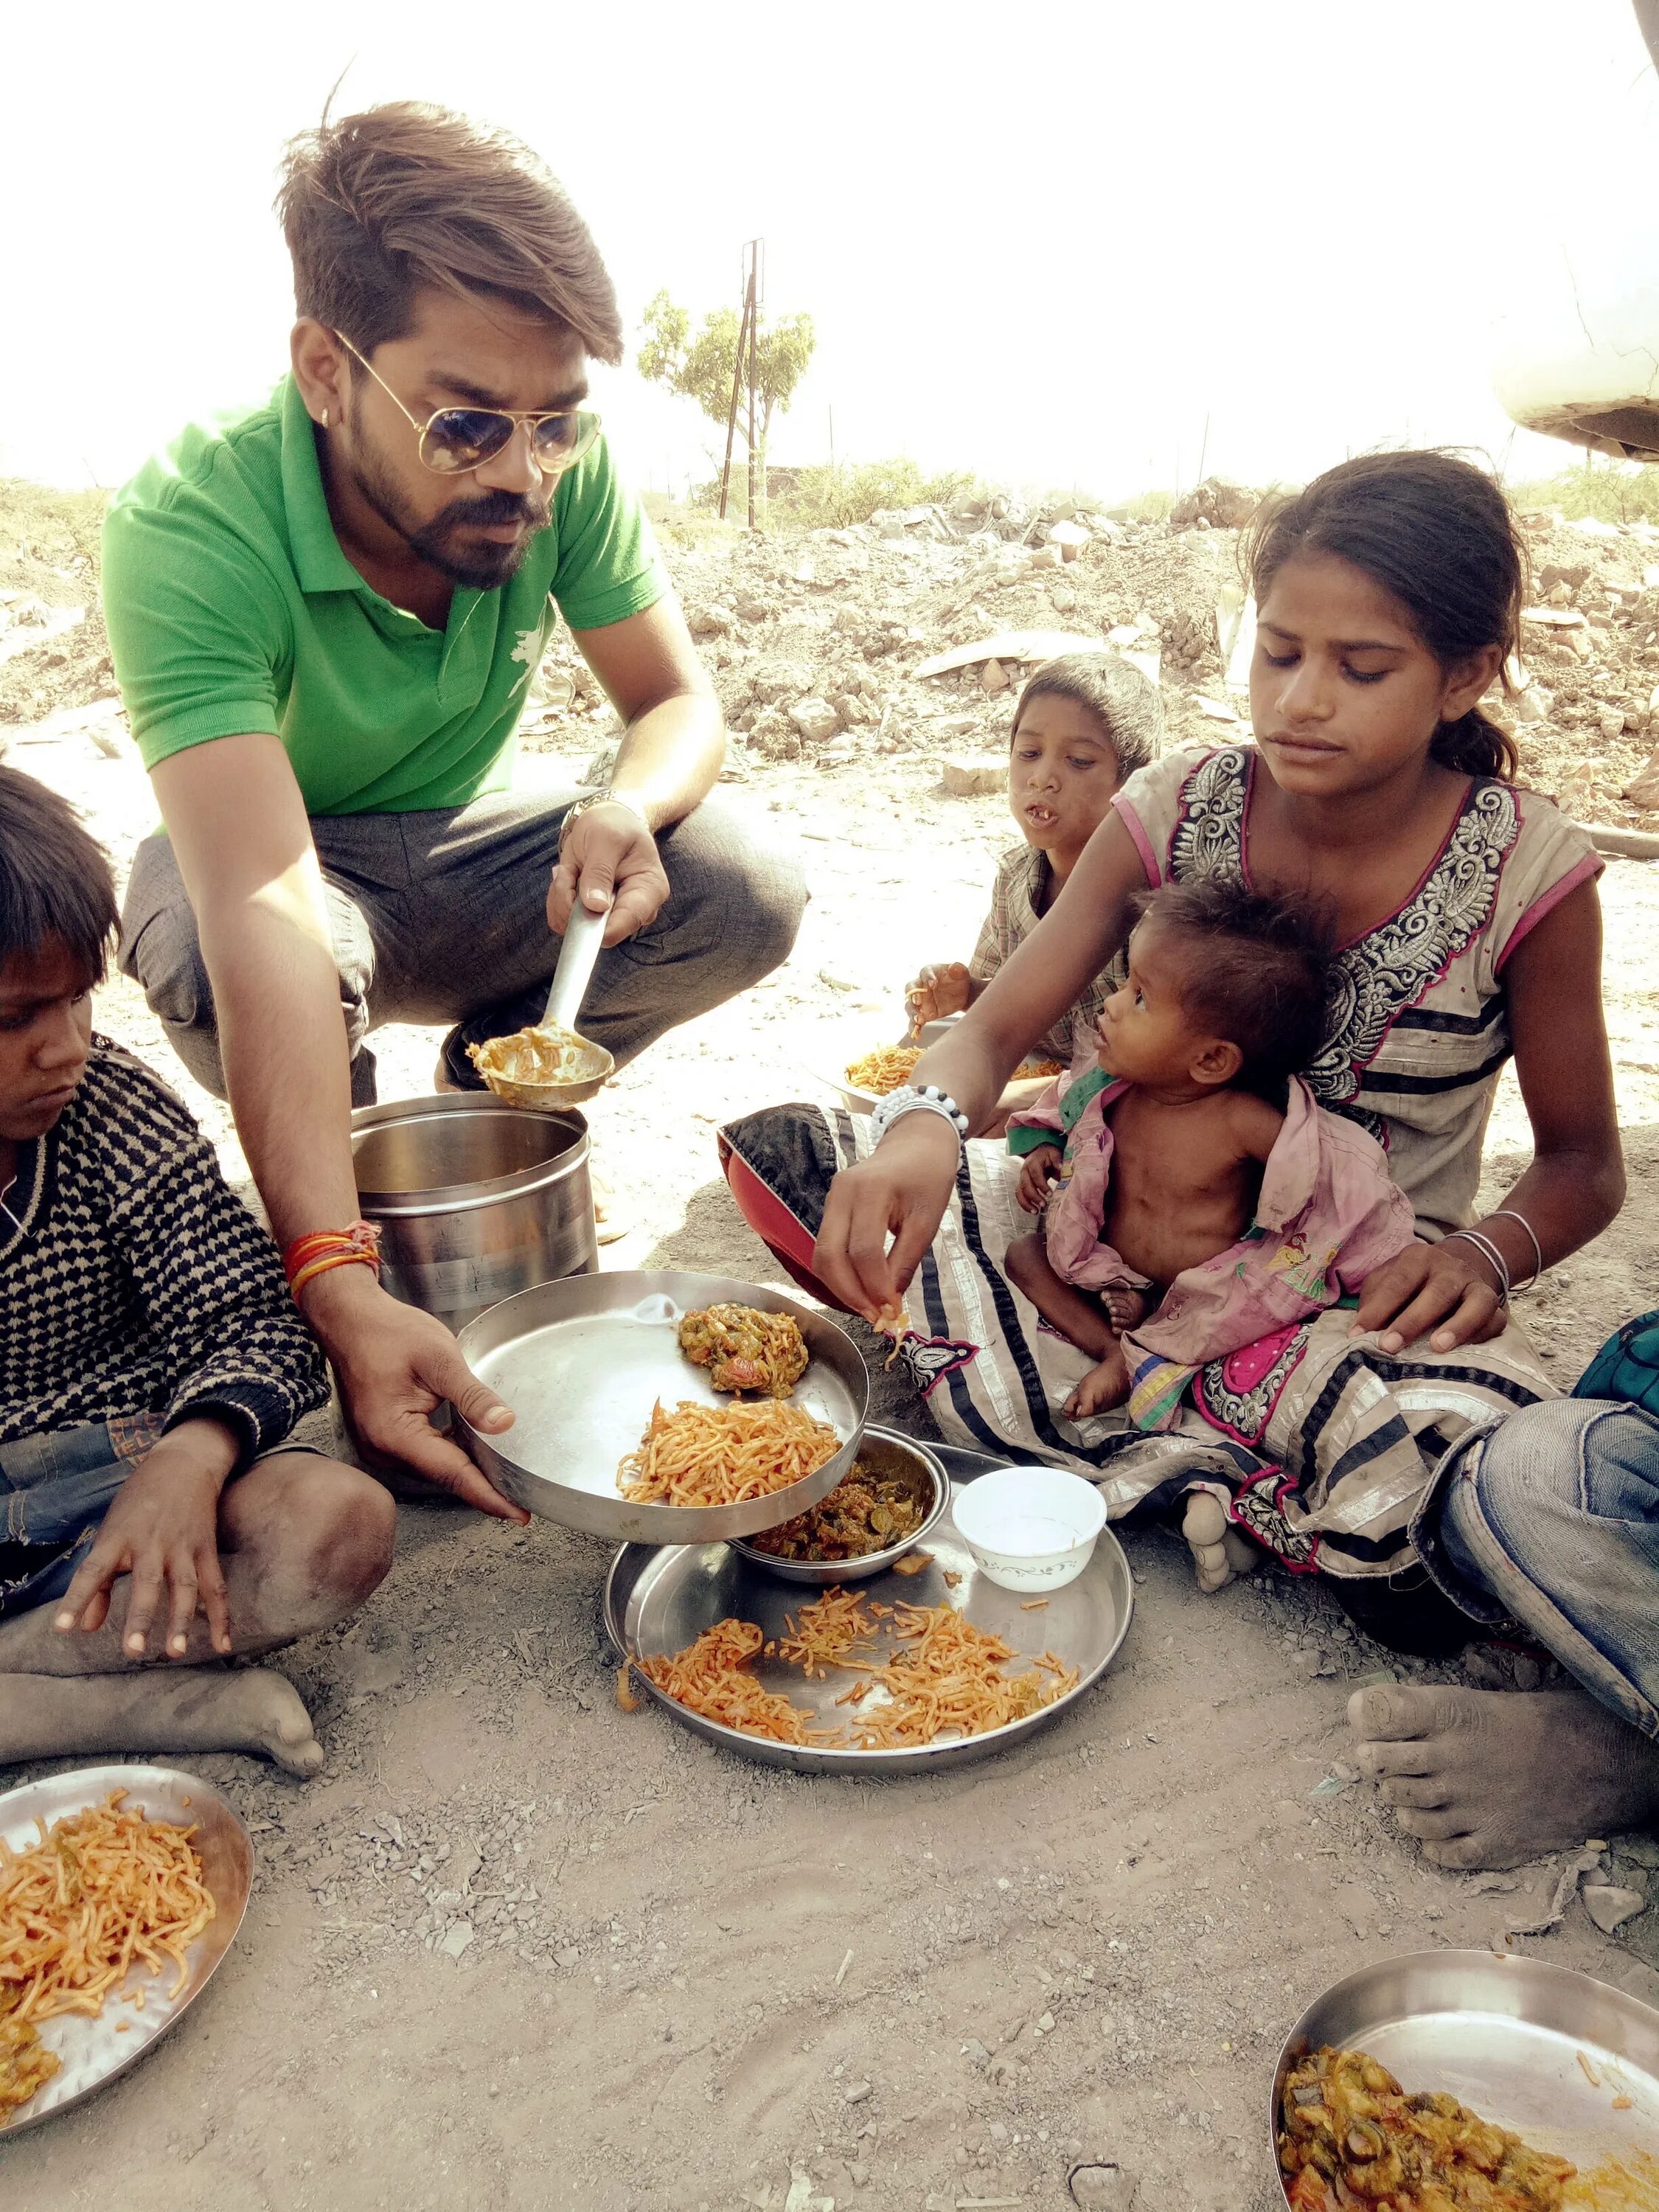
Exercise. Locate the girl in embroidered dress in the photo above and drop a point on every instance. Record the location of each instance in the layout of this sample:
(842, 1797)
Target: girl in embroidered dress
(1388, 595)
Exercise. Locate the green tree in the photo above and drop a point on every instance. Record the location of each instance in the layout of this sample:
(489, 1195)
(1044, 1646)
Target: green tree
(701, 368)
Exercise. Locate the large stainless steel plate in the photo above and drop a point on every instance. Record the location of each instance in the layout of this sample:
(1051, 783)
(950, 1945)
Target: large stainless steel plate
(582, 1361)
(94, 2051)
(1504, 2036)
(660, 1601)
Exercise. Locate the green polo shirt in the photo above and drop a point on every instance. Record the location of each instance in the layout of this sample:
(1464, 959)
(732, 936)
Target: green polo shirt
(231, 609)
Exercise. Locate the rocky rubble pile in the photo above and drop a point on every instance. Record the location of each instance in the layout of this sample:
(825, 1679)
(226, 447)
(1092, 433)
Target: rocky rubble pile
(816, 638)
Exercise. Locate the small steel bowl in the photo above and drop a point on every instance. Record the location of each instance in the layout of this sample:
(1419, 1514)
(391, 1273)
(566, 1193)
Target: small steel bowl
(884, 1451)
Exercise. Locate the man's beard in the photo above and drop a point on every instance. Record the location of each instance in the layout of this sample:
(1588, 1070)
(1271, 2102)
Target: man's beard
(478, 568)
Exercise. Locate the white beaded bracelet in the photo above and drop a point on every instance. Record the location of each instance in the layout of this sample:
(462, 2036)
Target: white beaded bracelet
(928, 1098)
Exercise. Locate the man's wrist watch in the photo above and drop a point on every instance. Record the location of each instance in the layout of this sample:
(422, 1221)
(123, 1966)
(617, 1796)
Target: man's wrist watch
(573, 814)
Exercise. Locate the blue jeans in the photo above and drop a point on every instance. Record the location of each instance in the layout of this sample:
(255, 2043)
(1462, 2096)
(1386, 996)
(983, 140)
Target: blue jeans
(1552, 1520)
(55, 1490)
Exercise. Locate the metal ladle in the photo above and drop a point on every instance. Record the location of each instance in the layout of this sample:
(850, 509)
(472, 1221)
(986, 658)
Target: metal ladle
(584, 933)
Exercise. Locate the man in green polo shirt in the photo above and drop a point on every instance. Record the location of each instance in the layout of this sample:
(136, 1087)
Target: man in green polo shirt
(325, 615)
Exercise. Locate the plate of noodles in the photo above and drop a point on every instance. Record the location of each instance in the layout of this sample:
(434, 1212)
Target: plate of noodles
(925, 1665)
(1493, 2078)
(655, 1406)
(867, 1071)
(121, 1888)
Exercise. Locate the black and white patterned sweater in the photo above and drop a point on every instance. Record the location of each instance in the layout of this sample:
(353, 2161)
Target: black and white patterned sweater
(134, 1280)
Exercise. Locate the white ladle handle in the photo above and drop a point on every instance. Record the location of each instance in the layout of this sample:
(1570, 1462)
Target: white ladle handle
(583, 934)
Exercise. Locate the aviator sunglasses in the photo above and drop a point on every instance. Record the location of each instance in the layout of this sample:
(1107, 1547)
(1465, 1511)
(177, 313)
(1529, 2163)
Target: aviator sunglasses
(456, 439)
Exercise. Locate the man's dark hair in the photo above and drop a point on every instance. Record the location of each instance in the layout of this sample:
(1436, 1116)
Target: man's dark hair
(56, 886)
(1263, 978)
(1126, 707)
(378, 205)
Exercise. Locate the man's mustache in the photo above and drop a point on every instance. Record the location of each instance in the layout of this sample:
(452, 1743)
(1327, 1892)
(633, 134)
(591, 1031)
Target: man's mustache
(493, 510)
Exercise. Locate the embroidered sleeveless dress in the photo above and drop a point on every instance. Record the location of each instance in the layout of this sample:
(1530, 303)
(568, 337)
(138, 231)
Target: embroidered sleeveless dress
(1321, 1445)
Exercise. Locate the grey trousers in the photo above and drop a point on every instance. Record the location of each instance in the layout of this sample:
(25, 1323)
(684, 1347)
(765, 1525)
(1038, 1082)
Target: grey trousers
(441, 916)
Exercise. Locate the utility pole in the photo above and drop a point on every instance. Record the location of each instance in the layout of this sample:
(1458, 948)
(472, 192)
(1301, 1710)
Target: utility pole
(755, 250)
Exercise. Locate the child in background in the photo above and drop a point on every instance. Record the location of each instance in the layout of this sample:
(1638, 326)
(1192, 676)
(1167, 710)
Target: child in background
(1084, 722)
(1195, 1180)
(152, 1365)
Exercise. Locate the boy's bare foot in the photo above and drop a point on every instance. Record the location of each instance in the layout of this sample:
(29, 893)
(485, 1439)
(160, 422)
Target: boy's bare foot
(1493, 1778)
(158, 1708)
(1126, 1309)
(1101, 1388)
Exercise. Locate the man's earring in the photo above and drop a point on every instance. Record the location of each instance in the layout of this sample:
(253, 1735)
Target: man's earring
(325, 418)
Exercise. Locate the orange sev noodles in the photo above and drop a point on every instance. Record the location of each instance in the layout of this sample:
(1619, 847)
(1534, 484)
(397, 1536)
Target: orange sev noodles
(948, 1676)
(101, 1889)
(722, 1454)
(711, 1677)
(884, 1069)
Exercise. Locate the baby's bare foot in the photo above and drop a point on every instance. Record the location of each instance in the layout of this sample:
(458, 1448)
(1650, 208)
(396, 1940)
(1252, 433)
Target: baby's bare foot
(1204, 1525)
(1124, 1309)
(1101, 1388)
(1493, 1778)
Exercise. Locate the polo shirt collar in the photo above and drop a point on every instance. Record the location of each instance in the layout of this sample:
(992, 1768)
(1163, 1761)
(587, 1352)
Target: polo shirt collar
(318, 562)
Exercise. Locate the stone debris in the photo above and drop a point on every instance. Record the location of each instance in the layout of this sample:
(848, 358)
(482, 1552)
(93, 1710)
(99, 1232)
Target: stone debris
(967, 779)
(1611, 1908)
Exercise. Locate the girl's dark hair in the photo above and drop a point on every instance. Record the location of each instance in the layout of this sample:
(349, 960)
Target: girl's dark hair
(1263, 977)
(1126, 707)
(1437, 535)
(55, 880)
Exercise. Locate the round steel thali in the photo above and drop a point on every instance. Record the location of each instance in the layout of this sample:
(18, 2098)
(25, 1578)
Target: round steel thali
(582, 1361)
(659, 1601)
(94, 2051)
(1566, 2061)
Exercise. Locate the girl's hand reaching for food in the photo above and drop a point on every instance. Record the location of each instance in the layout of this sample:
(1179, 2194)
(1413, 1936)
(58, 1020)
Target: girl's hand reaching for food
(1040, 1173)
(902, 1190)
(946, 988)
(1446, 1290)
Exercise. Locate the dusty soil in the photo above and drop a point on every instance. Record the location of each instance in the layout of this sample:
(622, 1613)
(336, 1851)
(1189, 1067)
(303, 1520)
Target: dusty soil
(517, 1948)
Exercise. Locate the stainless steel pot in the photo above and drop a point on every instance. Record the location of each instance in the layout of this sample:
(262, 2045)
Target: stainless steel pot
(475, 1200)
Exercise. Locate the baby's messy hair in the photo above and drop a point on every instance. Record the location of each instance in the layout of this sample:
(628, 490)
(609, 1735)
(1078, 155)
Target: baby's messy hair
(1262, 980)
(56, 886)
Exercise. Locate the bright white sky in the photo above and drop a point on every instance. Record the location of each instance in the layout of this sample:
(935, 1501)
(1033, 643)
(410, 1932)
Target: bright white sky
(1039, 242)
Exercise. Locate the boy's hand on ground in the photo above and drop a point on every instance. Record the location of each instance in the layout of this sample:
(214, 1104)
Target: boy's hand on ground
(1447, 1289)
(162, 1530)
(1040, 1172)
(609, 848)
(940, 990)
(395, 1366)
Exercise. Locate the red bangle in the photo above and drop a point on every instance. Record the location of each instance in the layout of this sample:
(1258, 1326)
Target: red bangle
(319, 1249)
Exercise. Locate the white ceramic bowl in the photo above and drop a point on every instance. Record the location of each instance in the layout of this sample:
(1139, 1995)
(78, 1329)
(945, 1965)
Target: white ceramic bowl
(1029, 1528)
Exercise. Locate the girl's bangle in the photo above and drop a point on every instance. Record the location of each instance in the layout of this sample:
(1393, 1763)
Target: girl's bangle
(908, 1099)
(1509, 1214)
(1490, 1253)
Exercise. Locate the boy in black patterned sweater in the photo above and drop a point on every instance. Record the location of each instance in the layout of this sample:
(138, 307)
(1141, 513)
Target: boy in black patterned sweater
(152, 1365)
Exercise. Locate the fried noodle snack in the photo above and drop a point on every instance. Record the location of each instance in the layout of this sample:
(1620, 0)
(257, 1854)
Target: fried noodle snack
(722, 1454)
(745, 1349)
(884, 1069)
(951, 1678)
(1350, 2135)
(101, 1889)
(713, 1677)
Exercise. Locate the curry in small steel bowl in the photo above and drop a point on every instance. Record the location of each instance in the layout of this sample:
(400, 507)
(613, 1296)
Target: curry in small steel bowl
(895, 1492)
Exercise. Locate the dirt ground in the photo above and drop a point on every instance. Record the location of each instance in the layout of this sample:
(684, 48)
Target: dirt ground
(517, 1948)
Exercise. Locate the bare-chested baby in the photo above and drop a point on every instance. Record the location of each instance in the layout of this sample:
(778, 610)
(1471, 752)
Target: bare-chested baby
(152, 1366)
(1196, 1199)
